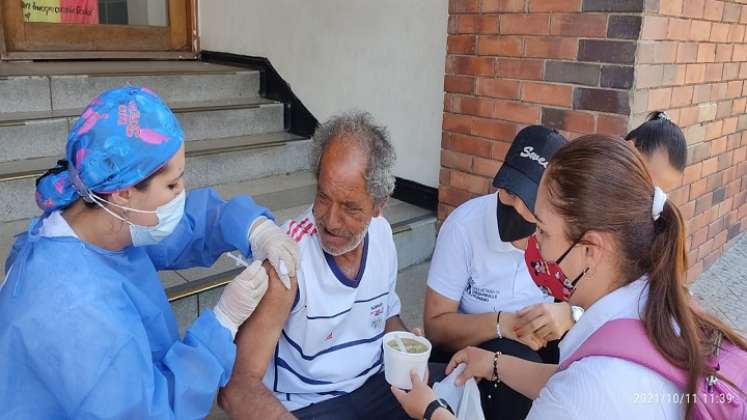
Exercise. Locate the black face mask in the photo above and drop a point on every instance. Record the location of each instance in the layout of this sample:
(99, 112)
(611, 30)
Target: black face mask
(511, 226)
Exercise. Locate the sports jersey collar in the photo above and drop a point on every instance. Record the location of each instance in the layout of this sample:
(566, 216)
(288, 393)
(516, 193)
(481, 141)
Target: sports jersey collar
(340, 275)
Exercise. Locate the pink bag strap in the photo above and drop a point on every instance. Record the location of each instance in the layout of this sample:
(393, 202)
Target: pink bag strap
(626, 339)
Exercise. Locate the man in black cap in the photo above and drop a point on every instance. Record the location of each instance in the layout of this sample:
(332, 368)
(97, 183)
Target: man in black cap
(480, 292)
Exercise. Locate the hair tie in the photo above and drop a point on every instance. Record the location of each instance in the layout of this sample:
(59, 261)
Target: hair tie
(663, 116)
(660, 197)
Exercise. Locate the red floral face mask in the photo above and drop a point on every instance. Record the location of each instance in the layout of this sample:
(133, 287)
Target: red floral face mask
(548, 275)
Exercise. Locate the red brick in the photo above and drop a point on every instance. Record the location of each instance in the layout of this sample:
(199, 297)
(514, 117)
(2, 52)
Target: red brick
(654, 27)
(714, 71)
(659, 98)
(700, 30)
(612, 125)
(688, 116)
(473, 66)
(530, 24)
(543, 93)
(710, 166)
(681, 96)
(566, 120)
(692, 173)
(695, 73)
(555, 47)
(476, 24)
(505, 46)
(460, 161)
(459, 84)
(584, 25)
(517, 112)
(697, 189)
(464, 6)
(520, 69)
(468, 182)
(461, 44)
(493, 129)
(687, 52)
(469, 105)
(740, 53)
(724, 52)
(457, 123)
(485, 167)
(500, 148)
(713, 130)
(736, 33)
(714, 10)
(468, 144)
(706, 53)
(453, 196)
(498, 88)
(670, 7)
(502, 6)
(693, 8)
(719, 32)
(679, 29)
(554, 5)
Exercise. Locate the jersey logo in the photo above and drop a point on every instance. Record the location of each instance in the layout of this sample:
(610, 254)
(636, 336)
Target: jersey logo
(330, 336)
(298, 230)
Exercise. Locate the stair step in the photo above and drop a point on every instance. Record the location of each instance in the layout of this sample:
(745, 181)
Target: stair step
(31, 135)
(211, 162)
(72, 85)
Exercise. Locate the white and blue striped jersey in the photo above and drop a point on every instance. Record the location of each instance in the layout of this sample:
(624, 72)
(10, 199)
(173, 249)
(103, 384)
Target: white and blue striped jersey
(331, 343)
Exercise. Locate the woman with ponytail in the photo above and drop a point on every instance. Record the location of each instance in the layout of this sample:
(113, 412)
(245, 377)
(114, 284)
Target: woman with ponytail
(643, 349)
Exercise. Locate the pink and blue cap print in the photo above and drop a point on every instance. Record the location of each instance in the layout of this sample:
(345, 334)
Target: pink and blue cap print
(123, 136)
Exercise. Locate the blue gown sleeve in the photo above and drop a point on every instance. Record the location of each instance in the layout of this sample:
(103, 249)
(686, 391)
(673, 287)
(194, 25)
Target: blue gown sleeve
(183, 385)
(210, 227)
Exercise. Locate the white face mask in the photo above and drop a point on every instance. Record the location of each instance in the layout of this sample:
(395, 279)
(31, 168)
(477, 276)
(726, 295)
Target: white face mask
(168, 216)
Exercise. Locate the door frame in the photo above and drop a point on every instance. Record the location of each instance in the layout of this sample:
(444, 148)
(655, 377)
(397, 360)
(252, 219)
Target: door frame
(187, 48)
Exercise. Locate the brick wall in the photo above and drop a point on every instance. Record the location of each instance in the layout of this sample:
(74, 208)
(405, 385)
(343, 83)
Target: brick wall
(599, 66)
(692, 61)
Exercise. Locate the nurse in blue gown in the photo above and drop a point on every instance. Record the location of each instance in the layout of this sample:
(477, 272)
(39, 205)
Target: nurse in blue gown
(86, 330)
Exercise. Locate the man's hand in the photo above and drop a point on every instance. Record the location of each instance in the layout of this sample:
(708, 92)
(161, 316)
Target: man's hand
(547, 321)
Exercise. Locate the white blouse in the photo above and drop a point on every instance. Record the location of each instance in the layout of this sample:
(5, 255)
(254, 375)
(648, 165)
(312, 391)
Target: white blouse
(608, 388)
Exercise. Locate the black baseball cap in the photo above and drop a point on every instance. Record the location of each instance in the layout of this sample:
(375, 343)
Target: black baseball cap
(526, 161)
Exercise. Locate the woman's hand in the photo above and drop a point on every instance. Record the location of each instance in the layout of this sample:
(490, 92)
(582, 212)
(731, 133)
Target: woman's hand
(547, 321)
(479, 364)
(510, 329)
(416, 401)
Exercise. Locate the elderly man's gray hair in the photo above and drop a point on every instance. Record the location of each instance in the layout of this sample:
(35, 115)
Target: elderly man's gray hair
(359, 127)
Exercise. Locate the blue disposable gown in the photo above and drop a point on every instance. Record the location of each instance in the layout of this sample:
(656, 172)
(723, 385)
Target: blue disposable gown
(88, 333)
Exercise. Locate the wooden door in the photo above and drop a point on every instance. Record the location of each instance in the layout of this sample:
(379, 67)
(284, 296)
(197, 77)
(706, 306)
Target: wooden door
(97, 28)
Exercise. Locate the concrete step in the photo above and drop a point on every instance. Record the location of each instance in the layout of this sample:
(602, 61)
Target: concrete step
(212, 162)
(63, 85)
(288, 195)
(28, 135)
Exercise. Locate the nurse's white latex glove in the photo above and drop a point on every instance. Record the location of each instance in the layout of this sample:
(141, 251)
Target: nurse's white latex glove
(271, 243)
(241, 297)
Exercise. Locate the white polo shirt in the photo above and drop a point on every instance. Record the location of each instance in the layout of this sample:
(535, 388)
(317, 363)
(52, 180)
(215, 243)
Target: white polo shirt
(599, 387)
(471, 265)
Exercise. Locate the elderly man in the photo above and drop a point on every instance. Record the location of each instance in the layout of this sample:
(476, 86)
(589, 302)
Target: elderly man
(316, 350)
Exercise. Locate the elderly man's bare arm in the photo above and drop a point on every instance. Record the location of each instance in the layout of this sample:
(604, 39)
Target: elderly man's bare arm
(246, 397)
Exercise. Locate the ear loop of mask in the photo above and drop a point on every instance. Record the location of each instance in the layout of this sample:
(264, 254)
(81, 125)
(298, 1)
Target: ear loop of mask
(100, 201)
(571, 285)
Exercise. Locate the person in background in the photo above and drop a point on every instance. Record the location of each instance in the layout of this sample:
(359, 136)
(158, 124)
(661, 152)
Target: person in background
(627, 262)
(663, 148)
(86, 330)
(480, 292)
